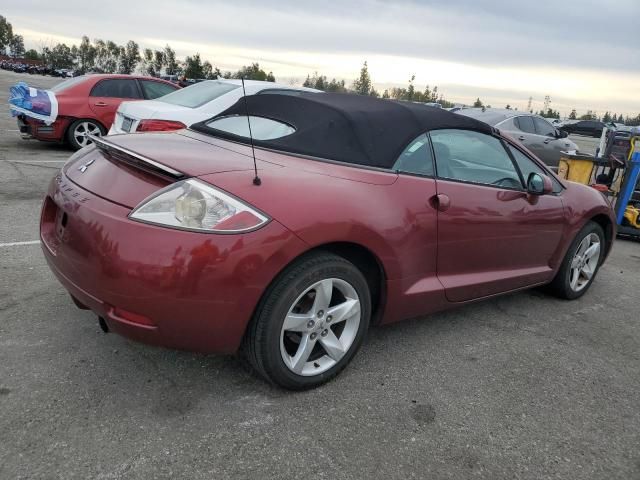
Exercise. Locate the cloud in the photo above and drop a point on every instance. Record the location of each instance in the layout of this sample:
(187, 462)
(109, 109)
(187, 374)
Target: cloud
(573, 40)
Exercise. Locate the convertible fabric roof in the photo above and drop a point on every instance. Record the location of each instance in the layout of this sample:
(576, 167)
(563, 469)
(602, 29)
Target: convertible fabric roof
(344, 127)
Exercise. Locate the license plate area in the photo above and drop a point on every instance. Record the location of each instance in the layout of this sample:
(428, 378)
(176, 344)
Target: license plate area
(126, 124)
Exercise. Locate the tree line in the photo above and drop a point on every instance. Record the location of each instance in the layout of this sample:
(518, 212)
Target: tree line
(102, 56)
(363, 85)
(9, 41)
(106, 56)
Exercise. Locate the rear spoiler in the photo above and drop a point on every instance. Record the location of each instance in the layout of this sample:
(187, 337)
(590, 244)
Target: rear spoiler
(134, 159)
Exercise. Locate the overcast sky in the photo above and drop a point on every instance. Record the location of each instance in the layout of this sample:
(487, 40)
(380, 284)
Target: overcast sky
(585, 54)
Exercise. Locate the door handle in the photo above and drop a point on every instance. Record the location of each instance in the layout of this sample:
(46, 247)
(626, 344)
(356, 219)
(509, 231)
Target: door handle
(101, 104)
(546, 142)
(441, 202)
(521, 138)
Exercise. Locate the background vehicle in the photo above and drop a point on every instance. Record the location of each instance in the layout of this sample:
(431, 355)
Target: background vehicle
(192, 104)
(592, 128)
(532, 131)
(87, 105)
(181, 247)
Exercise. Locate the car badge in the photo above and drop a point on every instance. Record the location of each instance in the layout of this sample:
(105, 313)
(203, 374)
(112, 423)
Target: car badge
(84, 167)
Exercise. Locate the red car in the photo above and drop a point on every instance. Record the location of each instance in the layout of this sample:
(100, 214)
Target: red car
(87, 106)
(360, 211)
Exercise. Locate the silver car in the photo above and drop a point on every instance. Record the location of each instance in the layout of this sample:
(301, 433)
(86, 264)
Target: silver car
(534, 132)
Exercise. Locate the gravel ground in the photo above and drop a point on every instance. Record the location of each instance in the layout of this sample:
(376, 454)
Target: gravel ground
(525, 386)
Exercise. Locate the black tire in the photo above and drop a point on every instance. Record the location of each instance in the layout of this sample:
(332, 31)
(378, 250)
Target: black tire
(71, 131)
(261, 345)
(561, 284)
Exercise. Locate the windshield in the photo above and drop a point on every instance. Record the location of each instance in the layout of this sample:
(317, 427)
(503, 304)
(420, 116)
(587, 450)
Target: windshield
(67, 84)
(198, 94)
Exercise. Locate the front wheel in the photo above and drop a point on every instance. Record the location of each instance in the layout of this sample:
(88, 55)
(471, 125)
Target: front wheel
(581, 263)
(79, 131)
(311, 322)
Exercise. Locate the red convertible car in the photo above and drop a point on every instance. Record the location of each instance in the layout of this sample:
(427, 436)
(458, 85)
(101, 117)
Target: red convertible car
(360, 211)
(87, 106)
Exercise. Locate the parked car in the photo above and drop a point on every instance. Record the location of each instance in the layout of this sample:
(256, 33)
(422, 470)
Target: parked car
(87, 105)
(359, 211)
(190, 105)
(592, 128)
(532, 131)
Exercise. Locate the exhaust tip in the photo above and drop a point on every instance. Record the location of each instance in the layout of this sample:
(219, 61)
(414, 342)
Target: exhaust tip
(103, 325)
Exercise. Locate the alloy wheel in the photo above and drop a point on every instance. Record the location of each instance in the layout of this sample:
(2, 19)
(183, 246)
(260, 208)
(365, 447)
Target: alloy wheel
(83, 130)
(585, 262)
(320, 327)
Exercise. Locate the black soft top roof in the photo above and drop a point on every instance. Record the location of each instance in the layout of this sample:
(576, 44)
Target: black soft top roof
(344, 127)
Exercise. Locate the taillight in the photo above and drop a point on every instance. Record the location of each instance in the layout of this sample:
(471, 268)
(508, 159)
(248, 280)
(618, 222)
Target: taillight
(159, 126)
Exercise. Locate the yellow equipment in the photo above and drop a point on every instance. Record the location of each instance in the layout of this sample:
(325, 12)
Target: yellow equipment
(632, 216)
(576, 168)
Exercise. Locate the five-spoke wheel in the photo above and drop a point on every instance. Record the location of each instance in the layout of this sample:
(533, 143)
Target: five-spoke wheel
(585, 262)
(320, 327)
(310, 323)
(79, 131)
(581, 263)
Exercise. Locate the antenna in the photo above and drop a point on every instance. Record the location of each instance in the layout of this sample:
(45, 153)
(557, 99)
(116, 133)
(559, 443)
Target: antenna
(256, 179)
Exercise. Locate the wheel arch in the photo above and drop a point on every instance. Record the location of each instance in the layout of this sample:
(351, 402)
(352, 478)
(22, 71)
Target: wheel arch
(362, 257)
(371, 267)
(607, 226)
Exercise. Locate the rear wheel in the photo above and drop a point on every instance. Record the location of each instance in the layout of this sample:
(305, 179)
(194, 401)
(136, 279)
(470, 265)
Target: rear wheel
(79, 131)
(581, 263)
(310, 323)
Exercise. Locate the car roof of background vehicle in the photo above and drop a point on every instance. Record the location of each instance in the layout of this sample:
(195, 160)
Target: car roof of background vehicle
(95, 77)
(344, 127)
(492, 116)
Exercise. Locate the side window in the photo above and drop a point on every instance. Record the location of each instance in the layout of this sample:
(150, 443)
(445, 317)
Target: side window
(525, 124)
(154, 90)
(416, 158)
(544, 128)
(528, 166)
(116, 88)
(471, 156)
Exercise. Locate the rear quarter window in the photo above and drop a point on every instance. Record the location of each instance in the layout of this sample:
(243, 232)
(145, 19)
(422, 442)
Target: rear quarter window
(261, 128)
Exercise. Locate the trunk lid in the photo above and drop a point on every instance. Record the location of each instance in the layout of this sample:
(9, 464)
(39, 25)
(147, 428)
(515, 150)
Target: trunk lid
(117, 170)
(145, 109)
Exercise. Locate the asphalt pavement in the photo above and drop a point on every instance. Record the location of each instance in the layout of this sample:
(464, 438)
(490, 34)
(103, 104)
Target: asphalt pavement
(522, 387)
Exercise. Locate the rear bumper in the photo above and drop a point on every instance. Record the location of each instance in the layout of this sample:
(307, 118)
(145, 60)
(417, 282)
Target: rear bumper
(193, 291)
(31, 128)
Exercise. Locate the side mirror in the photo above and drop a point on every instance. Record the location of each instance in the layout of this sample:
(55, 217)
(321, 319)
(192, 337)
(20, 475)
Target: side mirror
(538, 184)
(561, 134)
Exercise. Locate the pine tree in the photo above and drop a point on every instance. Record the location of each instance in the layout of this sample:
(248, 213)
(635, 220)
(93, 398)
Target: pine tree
(362, 85)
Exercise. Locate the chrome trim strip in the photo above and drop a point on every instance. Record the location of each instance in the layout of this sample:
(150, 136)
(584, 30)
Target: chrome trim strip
(107, 145)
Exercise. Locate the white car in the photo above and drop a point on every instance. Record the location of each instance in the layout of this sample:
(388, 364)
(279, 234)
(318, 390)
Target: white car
(192, 104)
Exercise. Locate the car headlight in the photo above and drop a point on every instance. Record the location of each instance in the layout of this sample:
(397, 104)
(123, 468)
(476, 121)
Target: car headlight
(195, 205)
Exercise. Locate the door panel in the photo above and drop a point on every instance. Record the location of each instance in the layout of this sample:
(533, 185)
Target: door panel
(107, 95)
(492, 240)
(492, 236)
(528, 136)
